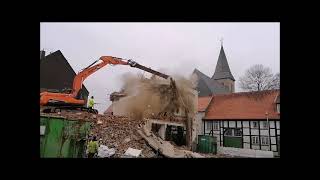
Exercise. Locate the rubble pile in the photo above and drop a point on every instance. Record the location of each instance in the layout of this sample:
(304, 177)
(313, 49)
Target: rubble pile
(120, 133)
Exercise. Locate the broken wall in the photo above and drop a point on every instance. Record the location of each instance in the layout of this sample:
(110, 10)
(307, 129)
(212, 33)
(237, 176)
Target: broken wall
(159, 98)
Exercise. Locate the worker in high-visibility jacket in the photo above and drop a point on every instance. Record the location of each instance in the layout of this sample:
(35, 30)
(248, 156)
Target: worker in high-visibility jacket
(93, 147)
(91, 103)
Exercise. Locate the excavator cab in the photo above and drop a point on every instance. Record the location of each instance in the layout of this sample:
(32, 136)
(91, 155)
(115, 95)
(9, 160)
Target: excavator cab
(67, 90)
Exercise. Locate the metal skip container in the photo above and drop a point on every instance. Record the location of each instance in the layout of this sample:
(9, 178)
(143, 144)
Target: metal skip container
(207, 144)
(63, 138)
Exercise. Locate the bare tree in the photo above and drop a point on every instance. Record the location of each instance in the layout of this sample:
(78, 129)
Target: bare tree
(258, 78)
(275, 82)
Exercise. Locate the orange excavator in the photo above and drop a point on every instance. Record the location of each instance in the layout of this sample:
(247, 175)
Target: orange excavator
(68, 100)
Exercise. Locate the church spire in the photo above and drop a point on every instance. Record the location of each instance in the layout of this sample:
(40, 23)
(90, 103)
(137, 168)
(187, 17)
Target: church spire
(222, 70)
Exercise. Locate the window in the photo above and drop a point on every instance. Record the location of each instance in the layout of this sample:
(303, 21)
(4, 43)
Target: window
(255, 140)
(278, 108)
(216, 125)
(208, 126)
(228, 132)
(265, 124)
(264, 141)
(237, 132)
(255, 124)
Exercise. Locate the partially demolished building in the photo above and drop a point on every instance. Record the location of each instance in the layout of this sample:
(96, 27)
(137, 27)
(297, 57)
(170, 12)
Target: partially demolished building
(170, 122)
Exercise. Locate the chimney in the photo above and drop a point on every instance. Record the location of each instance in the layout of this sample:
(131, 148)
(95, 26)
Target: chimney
(42, 54)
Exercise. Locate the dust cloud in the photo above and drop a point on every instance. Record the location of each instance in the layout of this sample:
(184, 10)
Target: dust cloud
(155, 96)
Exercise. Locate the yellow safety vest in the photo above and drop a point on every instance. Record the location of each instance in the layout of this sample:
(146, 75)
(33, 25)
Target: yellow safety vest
(91, 103)
(93, 147)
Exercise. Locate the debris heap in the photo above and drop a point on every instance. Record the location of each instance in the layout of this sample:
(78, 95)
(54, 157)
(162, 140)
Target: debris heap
(116, 132)
(120, 133)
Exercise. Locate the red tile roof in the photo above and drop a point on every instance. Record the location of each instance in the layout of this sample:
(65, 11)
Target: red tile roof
(244, 105)
(203, 103)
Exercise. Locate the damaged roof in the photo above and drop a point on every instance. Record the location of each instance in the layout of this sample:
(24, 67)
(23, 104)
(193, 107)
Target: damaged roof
(244, 105)
(222, 70)
(207, 86)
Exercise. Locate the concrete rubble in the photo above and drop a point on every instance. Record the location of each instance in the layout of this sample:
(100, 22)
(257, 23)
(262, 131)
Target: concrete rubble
(105, 152)
(132, 153)
(165, 148)
(120, 133)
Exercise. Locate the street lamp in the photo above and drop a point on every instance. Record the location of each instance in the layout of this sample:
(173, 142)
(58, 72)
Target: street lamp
(268, 130)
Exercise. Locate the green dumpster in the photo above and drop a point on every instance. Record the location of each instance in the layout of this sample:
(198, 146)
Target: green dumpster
(61, 137)
(207, 144)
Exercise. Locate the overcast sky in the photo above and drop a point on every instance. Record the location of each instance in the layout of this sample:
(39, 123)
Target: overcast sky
(173, 48)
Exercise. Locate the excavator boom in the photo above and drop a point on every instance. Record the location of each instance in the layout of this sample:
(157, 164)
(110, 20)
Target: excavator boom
(69, 99)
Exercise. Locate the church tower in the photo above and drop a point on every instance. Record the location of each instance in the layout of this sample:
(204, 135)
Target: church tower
(222, 73)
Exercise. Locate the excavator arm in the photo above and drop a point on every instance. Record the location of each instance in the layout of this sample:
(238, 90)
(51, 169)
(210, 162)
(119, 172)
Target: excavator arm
(139, 66)
(80, 77)
(50, 98)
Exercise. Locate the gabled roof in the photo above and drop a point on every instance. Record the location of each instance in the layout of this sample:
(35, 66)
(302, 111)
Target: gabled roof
(244, 105)
(203, 103)
(203, 89)
(222, 70)
(56, 72)
(208, 86)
